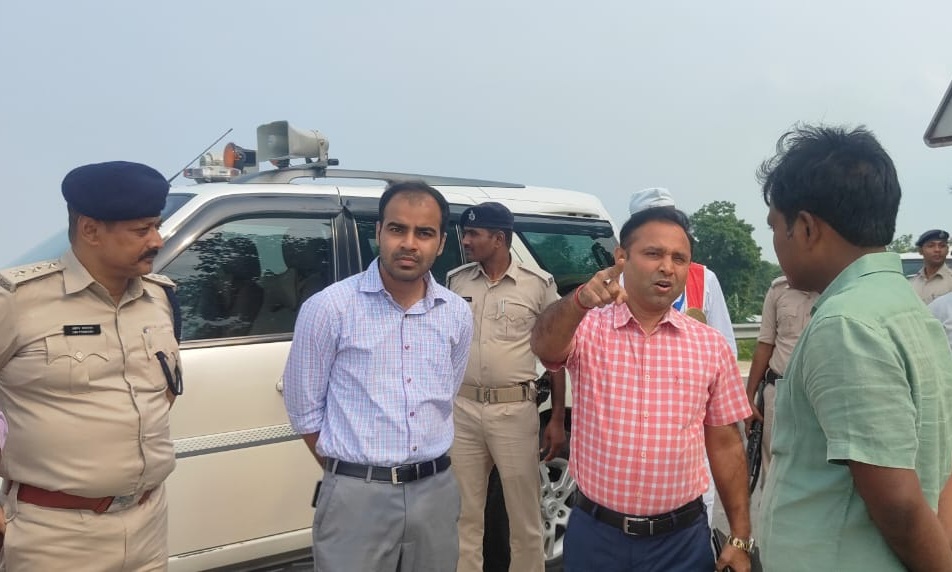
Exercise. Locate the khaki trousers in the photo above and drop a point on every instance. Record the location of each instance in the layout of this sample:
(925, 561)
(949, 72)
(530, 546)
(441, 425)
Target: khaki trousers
(507, 435)
(770, 393)
(53, 540)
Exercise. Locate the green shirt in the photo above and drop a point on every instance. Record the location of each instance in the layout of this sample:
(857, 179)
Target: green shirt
(870, 381)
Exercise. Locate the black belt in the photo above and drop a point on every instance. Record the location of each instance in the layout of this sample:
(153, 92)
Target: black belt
(396, 475)
(677, 519)
(771, 376)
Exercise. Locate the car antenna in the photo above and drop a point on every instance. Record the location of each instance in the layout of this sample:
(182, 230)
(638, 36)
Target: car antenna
(197, 157)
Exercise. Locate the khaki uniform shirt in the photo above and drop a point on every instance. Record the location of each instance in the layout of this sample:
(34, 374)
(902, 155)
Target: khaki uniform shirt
(80, 383)
(503, 316)
(785, 315)
(936, 285)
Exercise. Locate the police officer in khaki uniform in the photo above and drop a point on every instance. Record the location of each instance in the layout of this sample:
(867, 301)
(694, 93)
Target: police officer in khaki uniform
(786, 313)
(495, 414)
(934, 278)
(88, 371)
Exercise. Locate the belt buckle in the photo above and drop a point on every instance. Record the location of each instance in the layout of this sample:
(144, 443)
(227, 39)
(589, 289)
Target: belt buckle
(395, 478)
(485, 395)
(630, 520)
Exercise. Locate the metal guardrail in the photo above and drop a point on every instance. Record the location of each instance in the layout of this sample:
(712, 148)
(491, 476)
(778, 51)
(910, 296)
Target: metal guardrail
(746, 331)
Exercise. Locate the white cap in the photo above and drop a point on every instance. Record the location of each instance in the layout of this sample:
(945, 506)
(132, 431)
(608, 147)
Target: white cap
(650, 198)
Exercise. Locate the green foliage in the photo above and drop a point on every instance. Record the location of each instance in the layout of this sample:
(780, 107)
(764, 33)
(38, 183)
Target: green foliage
(726, 246)
(745, 349)
(902, 243)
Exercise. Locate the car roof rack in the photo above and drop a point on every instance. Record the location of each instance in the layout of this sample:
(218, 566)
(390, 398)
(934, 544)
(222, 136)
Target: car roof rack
(287, 174)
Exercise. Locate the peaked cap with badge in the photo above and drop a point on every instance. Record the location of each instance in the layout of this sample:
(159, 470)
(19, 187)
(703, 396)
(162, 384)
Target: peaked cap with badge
(934, 234)
(116, 190)
(488, 215)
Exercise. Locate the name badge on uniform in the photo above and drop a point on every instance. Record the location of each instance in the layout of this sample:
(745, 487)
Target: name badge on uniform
(82, 330)
(468, 298)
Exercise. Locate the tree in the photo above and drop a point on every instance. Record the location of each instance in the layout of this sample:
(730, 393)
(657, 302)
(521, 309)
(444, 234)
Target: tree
(902, 243)
(726, 246)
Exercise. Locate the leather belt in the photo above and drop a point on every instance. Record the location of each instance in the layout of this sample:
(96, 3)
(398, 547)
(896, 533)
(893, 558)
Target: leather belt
(771, 376)
(58, 499)
(516, 393)
(679, 518)
(395, 475)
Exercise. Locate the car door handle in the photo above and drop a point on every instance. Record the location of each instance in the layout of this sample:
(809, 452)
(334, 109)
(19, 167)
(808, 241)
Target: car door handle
(280, 385)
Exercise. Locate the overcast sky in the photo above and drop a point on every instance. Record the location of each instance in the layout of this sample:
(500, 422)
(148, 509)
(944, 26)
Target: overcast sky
(603, 97)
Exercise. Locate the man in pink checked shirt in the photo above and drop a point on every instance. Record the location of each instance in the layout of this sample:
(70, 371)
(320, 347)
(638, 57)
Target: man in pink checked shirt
(653, 389)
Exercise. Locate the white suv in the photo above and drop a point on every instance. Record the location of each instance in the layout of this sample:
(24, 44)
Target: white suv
(245, 254)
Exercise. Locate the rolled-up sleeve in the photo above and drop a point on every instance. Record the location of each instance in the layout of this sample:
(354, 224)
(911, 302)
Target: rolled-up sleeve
(308, 368)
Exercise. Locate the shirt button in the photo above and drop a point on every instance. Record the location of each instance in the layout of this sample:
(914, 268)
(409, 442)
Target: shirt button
(646, 415)
(412, 414)
(79, 355)
(413, 448)
(409, 379)
(406, 347)
(643, 455)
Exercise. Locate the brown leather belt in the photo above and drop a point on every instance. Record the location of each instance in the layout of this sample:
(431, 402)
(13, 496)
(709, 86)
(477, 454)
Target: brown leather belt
(58, 499)
(521, 392)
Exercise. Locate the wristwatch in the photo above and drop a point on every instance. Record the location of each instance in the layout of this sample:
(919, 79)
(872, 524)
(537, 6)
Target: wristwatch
(745, 545)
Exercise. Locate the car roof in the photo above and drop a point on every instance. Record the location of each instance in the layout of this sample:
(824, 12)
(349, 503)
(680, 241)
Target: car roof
(526, 200)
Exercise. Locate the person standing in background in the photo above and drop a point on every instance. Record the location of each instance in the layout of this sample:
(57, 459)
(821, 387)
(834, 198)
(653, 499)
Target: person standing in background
(496, 417)
(934, 279)
(785, 314)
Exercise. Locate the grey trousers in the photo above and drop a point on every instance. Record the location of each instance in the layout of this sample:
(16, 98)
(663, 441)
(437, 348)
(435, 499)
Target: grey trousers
(370, 526)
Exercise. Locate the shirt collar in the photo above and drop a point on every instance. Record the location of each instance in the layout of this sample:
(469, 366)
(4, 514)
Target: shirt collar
(76, 278)
(621, 316)
(371, 282)
(510, 271)
(862, 266)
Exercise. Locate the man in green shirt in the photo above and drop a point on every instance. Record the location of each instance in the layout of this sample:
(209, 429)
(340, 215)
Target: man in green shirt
(863, 429)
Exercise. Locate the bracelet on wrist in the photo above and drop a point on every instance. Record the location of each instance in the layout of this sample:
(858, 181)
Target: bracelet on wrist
(578, 302)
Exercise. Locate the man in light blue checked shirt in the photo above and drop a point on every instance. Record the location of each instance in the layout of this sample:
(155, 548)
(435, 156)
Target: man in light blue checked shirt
(370, 382)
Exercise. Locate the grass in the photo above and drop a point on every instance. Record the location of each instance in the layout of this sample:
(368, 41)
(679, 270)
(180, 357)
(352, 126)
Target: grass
(745, 349)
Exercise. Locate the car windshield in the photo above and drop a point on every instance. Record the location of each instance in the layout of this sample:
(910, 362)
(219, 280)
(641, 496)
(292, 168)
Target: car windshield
(55, 245)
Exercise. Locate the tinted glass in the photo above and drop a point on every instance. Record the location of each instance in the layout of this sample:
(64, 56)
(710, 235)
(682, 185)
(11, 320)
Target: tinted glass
(250, 276)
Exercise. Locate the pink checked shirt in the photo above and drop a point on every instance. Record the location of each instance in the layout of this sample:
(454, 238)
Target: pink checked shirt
(639, 406)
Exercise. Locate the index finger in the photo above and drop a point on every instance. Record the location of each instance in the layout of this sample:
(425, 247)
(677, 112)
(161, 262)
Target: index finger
(615, 271)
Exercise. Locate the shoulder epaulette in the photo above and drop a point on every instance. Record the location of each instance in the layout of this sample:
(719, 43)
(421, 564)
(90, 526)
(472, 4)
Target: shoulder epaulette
(459, 269)
(10, 278)
(778, 281)
(542, 274)
(159, 279)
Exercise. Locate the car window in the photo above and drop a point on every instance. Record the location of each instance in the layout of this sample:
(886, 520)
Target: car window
(250, 276)
(451, 257)
(572, 251)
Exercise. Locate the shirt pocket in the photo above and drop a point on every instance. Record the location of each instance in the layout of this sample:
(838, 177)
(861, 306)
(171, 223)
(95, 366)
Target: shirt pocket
(689, 399)
(72, 361)
(513, 322)
(160, 340)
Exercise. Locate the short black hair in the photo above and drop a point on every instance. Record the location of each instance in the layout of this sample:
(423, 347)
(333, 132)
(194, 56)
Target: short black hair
(843, 176)
(662, 214)
(416, 187)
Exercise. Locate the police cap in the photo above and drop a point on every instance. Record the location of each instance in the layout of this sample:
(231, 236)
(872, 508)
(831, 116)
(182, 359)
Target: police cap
(117, 190)
(487, 215)
(934, 234)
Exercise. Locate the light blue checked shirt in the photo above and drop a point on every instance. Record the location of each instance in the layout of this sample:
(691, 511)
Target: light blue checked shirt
(377, 381)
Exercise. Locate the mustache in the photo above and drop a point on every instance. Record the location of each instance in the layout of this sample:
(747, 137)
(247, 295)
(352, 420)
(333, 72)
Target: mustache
(410, 255)
(150, 254)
